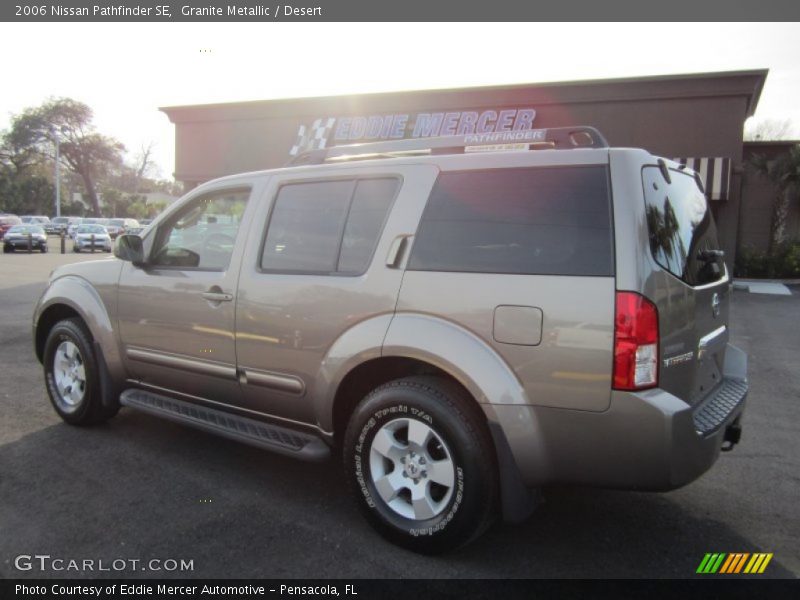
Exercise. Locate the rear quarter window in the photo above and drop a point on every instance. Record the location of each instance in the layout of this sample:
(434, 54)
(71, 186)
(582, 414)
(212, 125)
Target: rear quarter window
(681, 229)
(535, 221)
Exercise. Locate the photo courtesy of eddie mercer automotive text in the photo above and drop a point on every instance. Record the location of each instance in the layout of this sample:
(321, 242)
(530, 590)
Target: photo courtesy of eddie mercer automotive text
(460, 306)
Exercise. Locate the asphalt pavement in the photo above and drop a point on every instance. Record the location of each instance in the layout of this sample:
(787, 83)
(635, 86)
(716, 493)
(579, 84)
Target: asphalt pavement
(139, 488)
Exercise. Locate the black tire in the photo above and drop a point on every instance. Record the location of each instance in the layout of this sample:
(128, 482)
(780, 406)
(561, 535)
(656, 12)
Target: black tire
(43, 249)
(88, 409)
(8, 249)
(75, 249)
(462, 514)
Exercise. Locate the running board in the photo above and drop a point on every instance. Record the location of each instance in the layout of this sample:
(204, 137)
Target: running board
(249, 431)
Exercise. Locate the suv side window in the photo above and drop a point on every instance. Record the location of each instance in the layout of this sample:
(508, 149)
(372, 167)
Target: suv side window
(325, 227)
(203, 233)
(681, 227)
(535, 221)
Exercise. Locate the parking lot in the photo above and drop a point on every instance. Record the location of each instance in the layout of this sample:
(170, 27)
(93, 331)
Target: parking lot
(141, 488)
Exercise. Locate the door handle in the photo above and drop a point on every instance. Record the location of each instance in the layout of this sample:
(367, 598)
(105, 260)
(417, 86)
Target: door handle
(396, 251)
(213, 296)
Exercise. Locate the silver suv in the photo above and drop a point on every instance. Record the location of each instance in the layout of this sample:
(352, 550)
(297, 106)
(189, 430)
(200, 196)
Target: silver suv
(462, 326)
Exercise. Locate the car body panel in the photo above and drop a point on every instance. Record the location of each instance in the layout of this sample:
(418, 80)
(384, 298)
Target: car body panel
(90, 289)
(173, 337)
(287, 323)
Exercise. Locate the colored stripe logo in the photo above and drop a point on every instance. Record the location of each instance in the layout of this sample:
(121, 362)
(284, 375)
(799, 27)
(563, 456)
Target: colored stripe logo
(734, 563)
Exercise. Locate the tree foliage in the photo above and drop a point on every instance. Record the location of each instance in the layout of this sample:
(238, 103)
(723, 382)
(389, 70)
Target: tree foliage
(83, 150)
(94, 166)
(784, 173)
(767, 130)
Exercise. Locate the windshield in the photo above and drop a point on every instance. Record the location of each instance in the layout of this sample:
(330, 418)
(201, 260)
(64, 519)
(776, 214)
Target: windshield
(26, 229)
(91, 229)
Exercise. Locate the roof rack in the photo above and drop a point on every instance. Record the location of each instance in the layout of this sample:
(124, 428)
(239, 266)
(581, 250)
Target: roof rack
(554, 138)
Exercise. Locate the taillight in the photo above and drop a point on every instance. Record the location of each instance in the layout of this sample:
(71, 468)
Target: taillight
(635, 342)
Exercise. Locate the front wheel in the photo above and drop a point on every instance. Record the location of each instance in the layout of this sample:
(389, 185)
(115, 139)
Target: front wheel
(8, 249)
(421, 463)
(72, 376)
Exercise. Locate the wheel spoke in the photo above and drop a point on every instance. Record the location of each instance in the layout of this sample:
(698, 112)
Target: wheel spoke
(80, 373)
(75, 393)
(422, 502)
(62, 354)
(386, 445)
(418, 433)
(389, 486)
(442, 472)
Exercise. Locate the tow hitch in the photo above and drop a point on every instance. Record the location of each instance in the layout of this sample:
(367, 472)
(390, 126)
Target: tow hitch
(733, 433)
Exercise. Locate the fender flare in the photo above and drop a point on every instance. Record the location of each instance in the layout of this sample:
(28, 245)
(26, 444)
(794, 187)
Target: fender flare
(80, 296)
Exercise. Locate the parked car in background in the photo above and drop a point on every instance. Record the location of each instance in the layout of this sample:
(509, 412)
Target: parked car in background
(41, 220)
(19, 236)
(72, 226)
(59, 224)
(7, 222)
(117, 227)
(135, 230)
(91, 236)
(82, 221)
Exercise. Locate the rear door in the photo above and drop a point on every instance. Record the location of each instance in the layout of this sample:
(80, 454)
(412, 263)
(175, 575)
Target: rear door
(316, 267)
(691, 289)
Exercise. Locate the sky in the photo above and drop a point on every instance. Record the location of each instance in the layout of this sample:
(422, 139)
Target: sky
(126, 71)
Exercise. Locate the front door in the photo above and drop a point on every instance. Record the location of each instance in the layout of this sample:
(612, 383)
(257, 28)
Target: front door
(176, 315)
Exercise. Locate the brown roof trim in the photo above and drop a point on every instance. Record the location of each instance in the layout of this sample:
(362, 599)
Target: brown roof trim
(737, 83)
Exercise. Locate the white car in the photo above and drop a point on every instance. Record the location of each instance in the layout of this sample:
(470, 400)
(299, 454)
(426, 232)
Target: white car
(91, 236)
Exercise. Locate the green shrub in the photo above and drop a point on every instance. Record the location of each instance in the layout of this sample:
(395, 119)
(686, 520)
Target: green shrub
(783, 264)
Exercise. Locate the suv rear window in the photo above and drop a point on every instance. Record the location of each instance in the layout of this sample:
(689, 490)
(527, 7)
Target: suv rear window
(325, 227)
(681, 227)
(543, 221)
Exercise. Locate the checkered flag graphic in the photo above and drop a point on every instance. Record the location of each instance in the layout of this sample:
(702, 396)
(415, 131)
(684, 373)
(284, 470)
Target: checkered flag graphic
(314, 137)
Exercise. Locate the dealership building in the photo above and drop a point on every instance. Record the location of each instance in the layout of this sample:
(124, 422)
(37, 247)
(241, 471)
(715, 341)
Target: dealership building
(696, 119)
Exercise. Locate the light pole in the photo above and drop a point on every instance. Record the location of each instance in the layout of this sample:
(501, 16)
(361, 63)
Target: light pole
(57, 140)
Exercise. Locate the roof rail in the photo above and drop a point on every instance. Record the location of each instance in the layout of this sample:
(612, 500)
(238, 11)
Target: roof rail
(556, 138)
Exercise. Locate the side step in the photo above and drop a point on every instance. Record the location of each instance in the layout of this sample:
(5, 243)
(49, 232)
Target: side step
(249, 431)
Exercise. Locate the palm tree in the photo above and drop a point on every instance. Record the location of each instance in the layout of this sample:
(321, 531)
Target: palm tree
(784, 173)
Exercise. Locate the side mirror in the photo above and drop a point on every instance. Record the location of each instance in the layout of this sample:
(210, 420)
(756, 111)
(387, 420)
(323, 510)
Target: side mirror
(129, 248)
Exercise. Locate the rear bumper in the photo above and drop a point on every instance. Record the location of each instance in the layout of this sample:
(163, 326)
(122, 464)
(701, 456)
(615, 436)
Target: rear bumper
(647, 440)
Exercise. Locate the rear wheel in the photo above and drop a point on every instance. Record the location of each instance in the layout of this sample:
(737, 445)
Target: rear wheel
(72, 376)
(8, 248)
(421, 463)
